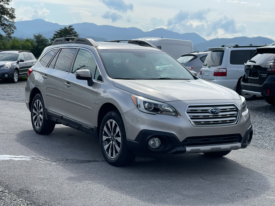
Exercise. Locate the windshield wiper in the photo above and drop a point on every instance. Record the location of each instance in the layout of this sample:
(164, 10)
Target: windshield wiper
(252, 61)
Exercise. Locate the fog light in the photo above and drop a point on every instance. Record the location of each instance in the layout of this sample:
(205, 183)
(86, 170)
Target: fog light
(6, 75)
(154, 143)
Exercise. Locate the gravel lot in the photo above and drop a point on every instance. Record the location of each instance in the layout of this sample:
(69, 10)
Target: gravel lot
(71, 160)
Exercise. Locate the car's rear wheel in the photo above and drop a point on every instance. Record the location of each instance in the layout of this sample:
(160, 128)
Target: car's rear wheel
(15, 76)
(38, 117)
(217, 154)
(270, 100)
(245, 95)
(113, 140)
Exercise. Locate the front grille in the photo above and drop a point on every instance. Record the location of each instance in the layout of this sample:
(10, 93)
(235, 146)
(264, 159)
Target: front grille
(212, 140)
(200, 115)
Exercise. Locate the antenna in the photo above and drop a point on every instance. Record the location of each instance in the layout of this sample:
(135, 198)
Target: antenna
(196, 49)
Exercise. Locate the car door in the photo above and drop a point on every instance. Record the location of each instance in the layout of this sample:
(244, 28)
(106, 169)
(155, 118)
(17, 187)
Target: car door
(235, 68)
(22, 64)
(79, 98)
(58, 69)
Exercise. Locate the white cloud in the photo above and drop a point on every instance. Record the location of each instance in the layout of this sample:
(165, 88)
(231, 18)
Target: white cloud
(24, 13)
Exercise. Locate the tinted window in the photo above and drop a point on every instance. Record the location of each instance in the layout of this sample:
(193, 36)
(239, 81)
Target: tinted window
(214, 58)
(240, 56)
(185, 59)
(142, 64)
(84, 60)
(27, 57)
(262, 59)
(45, 60)
(54, 61)
(65, 59)
(203, 58)
(21, 57)
(8, 57)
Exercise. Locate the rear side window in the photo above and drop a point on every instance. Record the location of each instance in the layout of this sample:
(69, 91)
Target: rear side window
(27, 57)
(32, 56)
(203, 58)
(214, 58)
(53, 61)
(241, 56)
(186, 59)
(46, 59)
(65, 59)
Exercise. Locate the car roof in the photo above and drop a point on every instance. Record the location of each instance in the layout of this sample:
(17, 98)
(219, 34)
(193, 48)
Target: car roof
(14, 51)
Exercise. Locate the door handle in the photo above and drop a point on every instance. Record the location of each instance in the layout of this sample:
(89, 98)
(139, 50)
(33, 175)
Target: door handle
(44, 76)
(67, 84)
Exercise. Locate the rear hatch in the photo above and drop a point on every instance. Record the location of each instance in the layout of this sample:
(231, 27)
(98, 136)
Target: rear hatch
(213, 61)
(260, 66)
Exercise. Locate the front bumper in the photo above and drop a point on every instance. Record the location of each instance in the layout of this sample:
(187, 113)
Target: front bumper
(5, 74)
(170, 144)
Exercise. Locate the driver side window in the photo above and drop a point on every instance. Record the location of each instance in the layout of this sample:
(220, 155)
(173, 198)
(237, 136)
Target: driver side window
(84, 60)
(21, 57)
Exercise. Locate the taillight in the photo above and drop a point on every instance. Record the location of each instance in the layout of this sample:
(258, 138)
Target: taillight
(191, 68)
(201, 72)
(29, 71)
(271, 68)
(220, 72)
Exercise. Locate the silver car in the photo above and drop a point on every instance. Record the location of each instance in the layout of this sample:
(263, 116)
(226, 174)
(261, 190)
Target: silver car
(136, 100)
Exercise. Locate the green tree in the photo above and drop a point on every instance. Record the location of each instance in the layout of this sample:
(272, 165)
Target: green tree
(40, 42)
(7, 17)
(65, 32)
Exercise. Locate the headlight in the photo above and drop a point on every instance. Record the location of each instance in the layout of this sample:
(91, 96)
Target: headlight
(244, 106)
(7, 66)
(153, 107)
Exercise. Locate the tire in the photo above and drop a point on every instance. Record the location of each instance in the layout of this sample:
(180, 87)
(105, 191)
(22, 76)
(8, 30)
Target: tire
(15, 76)
(270, 100)
(246, 96)
(40, 124)
(217, 154)
(112, 138)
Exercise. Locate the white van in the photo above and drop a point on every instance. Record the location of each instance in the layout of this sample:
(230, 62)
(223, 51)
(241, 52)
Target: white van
(175, 47)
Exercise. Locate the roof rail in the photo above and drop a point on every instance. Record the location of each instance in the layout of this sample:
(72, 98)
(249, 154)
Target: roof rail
(15, 50)
(136, 42)
(235, 45)
(74, 40)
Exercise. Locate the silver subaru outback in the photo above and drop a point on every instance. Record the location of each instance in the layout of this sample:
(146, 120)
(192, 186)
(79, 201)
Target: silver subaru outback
(135, 99)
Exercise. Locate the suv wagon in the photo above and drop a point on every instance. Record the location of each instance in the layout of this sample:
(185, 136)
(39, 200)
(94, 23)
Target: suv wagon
(225, 66)
(15, 64)
(135, 100)
(259, 78)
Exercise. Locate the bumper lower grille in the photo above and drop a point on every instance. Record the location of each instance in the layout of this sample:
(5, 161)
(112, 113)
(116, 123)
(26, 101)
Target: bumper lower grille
(212, 140)
(201, 115)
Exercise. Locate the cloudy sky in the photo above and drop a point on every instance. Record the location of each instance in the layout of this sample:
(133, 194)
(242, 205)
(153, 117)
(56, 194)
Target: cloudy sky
(208, 18)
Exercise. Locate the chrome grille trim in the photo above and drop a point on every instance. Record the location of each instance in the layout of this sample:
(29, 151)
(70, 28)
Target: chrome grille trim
(199, 115)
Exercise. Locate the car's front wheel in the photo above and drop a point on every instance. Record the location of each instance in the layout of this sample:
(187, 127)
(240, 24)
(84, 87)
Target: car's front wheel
(38, 117)
(113, 140)
(15, 76)
(217, 154)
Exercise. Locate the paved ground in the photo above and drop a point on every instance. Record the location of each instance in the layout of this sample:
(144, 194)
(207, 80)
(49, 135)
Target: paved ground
(67, 168)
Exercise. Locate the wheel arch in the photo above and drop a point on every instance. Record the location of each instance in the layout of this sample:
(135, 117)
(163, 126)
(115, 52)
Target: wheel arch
(34, 92)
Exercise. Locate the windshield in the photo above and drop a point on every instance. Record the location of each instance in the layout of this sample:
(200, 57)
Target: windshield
(140, 64)
(260, 59)
(214, 58)
(8, 57)
(185, 59)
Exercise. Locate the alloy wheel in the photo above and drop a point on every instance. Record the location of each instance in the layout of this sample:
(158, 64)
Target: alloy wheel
(37, 114)
(15, 76)
(111, 139)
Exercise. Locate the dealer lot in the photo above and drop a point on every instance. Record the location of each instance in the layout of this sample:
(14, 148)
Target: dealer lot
(67, 168)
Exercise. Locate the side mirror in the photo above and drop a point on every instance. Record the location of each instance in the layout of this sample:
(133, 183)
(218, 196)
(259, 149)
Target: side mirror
(21, 60)
(85, 74)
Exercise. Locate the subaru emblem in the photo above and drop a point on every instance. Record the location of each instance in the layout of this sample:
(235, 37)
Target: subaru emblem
(214, 110)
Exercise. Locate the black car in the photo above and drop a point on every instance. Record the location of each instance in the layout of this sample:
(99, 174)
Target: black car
(259, 78)
(15, 64)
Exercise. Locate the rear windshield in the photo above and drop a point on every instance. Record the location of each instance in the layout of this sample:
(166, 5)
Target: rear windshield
(261, 59)
(8, 57)
(214, 58)
(140, 64)
(186, 59)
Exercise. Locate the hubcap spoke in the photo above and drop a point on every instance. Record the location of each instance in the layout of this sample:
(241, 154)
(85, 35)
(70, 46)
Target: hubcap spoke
(37, 113)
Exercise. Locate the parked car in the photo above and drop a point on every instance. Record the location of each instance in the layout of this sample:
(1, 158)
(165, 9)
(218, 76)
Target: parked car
(134, 104)
(15, 64)
(225, 65)
(259, 77)
(193, 61)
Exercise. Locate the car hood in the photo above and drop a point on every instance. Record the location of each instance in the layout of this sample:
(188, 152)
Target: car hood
(4, 62)
(175, 90)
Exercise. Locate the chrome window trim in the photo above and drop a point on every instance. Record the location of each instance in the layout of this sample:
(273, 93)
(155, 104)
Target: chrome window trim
(214, 125)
